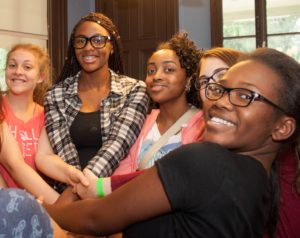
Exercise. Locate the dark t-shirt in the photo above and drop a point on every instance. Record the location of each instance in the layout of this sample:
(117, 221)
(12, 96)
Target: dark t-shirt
(86, 135)
(213, 193)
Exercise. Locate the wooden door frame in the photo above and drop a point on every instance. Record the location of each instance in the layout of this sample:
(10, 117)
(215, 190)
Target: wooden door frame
(57, 34)
(172, 20)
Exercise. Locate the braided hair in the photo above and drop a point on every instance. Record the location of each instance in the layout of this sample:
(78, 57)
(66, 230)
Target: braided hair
(72, 67)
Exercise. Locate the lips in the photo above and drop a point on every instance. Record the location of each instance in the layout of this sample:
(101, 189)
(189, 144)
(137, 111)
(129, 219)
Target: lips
(157, 87)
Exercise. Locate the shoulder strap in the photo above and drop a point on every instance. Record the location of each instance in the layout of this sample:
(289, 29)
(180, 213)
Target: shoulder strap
(165, 137)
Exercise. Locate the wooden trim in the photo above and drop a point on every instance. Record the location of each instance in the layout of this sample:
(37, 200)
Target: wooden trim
(261, 23)
(172, 19)
(99, 6)
(216, 23)
(58, 34)
(23, 34)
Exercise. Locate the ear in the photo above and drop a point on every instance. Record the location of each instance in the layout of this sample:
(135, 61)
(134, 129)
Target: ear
(41, 79)
(112, 51)
(284, 128)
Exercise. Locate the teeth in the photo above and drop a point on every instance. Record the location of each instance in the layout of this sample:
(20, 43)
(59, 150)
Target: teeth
(221, 121)
(88, 57)
(18, 80)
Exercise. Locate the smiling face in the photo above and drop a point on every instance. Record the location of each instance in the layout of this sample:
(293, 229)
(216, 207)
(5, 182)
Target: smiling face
(22, 72)
(208, 66)
(166, 80)
(244, 129)
(92, 59)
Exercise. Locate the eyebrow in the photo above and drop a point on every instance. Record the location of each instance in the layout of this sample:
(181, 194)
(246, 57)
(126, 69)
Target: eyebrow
(26, 61)
(164, 62)
(82, 35)
(223, 81)
(217, 69)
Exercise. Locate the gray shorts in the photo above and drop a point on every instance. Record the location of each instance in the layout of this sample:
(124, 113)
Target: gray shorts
(22, 216)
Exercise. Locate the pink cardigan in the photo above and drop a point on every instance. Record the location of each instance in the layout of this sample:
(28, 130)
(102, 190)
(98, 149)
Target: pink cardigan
(191, 132)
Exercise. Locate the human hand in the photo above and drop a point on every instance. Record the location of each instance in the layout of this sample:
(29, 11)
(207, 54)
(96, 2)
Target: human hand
(89, 191)
(75, 177)
(67, 197)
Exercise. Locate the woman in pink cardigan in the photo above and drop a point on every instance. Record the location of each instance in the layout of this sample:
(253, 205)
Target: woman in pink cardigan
(190, 132)
(212, 63)
(170, 84)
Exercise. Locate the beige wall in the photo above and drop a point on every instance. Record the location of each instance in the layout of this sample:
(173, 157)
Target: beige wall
(21, 22)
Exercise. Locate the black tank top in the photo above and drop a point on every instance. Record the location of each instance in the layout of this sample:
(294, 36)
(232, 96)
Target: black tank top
(86, 135)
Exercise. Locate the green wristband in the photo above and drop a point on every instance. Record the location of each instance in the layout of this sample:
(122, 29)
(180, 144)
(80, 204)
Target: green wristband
(99, 187)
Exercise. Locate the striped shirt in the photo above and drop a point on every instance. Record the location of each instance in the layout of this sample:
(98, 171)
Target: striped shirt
(122, 115)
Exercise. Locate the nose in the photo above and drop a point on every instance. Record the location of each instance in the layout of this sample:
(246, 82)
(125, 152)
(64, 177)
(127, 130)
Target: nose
(18, 70)
(224, 102)
(158, 75)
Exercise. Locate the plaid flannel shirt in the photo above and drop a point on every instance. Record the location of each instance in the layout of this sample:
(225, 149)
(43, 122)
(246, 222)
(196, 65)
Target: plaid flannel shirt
(122, 115)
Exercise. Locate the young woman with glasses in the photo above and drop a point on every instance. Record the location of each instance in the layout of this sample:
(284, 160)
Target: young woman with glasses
(171, 71)
(93, 112)
(213, 65)
(223, 187)
(212, 69)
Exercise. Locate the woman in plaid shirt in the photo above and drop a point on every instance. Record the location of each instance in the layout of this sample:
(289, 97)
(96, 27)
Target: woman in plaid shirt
(93, 112)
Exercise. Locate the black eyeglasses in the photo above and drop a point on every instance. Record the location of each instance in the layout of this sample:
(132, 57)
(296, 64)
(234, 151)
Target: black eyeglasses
(97, 41)
(202, 81)
(240, 97)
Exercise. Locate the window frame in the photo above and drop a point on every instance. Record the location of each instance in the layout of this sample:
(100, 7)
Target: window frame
(261, 36)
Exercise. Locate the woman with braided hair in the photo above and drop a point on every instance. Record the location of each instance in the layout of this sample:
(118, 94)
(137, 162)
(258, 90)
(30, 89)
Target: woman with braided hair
(93, 112)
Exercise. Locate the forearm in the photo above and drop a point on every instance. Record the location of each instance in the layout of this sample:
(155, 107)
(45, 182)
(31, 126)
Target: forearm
(118, 180)
(100, 187)
(29, 179)
(64, 216)
(54, 167)
(138, 200)
(22, 173)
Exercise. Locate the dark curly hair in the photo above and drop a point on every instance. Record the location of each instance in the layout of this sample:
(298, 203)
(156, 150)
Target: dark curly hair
(189, 56)
(71, 65)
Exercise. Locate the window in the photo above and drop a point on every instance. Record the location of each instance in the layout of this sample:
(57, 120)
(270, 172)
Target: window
(246, 25)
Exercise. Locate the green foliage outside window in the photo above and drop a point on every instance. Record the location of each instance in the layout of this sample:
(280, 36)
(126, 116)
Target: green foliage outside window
(290, 44)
